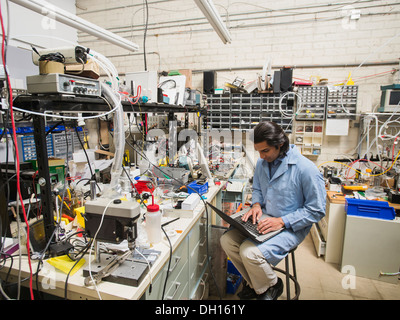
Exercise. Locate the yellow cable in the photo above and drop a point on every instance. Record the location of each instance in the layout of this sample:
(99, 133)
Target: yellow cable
(371, 175)
(64, 202)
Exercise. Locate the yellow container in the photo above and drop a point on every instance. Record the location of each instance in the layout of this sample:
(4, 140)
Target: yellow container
(79, 212)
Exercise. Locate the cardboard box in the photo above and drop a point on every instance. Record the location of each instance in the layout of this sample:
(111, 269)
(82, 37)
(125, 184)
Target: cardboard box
(90, 69)
(188, 74)
(46, 67)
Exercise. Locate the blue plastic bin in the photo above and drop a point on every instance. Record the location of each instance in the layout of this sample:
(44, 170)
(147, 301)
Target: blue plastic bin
(200, 188)
(233, 278)
(369, 208)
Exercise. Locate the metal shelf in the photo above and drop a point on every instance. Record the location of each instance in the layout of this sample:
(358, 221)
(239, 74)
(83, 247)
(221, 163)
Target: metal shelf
(64, 103)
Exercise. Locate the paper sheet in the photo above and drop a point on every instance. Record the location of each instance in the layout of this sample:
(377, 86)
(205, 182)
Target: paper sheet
(64, 263)
(337, 127)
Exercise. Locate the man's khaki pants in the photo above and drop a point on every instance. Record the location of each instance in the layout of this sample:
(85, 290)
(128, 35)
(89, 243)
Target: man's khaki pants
(248, 260)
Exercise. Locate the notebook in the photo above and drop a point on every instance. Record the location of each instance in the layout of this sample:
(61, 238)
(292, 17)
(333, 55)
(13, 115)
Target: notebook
(247, 228)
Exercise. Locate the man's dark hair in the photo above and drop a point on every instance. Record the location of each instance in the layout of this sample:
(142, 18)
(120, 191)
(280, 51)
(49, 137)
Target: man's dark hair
(273, 134)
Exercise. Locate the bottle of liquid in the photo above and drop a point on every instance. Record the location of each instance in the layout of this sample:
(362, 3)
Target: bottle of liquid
(153, 222)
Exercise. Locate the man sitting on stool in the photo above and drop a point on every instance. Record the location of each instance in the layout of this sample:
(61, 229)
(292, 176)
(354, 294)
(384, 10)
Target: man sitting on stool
(288, 187)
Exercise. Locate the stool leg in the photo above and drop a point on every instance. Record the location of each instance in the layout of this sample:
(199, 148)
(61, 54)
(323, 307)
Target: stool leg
(297, 287)
(287, 278)
(294, 266)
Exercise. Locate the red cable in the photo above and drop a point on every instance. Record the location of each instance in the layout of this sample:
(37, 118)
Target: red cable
(139, 92)
(17, 164)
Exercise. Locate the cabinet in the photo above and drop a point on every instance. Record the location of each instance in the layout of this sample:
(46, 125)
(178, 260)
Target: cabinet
(328, 233)
(188, 265)
(177, 277)
(372, 246)
(197, 255)
(332, 229)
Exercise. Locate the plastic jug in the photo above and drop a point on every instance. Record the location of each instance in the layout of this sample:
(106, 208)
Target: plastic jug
(153, 223)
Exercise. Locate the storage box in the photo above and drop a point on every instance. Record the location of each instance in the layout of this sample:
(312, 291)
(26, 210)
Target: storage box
(90, 69)
(46, 67)
(200, 188)
(188, 74)
(369, 208)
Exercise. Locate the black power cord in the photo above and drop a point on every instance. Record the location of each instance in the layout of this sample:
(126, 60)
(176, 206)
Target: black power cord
(170, 254)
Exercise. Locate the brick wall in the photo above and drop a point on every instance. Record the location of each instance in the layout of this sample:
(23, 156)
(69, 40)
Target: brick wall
(296, 33)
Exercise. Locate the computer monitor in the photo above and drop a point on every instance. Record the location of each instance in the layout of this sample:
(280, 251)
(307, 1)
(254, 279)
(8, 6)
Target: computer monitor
(390, 99)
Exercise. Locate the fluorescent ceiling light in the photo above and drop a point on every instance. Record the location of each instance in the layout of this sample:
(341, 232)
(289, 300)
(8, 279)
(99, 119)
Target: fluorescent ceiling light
(212, 15)
(49, 10)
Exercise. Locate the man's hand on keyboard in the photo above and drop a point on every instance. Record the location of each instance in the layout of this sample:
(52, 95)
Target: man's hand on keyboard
(270, 224)
(255, 213)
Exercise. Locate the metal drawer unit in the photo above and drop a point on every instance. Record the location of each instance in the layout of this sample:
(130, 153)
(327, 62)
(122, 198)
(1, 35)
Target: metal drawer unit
(342, 102)
(26, 147)
(246, 111)
(218, 104)
(75, 140)
(179, 286)
(277, 110)
(313, 101)
(60, 145)
(243, 111)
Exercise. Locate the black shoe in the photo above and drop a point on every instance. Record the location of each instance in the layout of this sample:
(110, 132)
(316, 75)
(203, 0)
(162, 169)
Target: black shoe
(247, 293)
(273, 292)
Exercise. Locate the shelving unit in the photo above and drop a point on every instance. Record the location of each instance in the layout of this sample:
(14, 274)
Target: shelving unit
(243, 111)
(56, 145)
(218, 103)
(62, 103)
(26, 147)
(342, 102)
(313, 100)
(308, 137)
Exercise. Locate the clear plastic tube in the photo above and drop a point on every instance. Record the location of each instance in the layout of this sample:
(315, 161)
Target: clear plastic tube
(112, 95)
(119, 141)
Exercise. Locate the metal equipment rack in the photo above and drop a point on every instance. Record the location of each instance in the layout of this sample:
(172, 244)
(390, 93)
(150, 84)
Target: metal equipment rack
(63, 103)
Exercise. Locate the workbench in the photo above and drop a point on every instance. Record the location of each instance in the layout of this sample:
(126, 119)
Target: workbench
(188, 266)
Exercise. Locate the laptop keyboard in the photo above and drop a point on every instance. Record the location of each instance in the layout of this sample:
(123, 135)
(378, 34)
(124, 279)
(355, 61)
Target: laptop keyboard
(248, 224)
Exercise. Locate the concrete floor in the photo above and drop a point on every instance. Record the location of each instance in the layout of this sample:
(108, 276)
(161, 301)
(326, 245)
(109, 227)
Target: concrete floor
(323, 281)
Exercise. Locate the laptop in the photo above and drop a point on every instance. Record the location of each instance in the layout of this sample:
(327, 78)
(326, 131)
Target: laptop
(247, 228)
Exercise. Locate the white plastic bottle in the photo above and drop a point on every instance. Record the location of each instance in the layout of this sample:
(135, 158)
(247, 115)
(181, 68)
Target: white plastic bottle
(153, 223)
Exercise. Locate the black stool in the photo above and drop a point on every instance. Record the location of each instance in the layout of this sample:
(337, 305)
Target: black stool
(290, 276)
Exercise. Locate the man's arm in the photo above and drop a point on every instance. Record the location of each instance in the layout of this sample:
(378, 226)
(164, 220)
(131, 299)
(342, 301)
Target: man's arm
(313, 189)
(257, 197)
